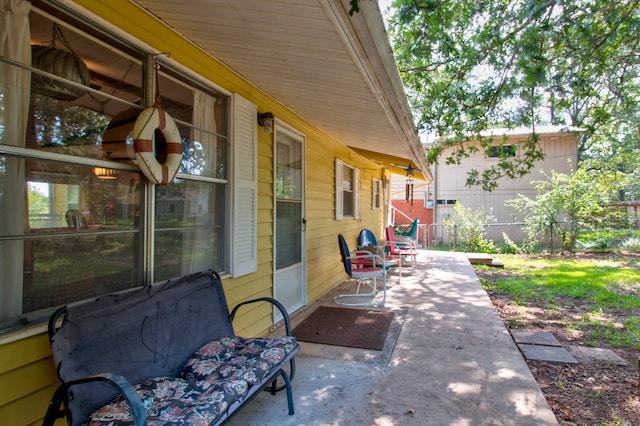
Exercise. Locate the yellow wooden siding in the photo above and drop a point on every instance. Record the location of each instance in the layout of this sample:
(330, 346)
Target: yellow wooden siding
(27, 380)
(324, 268)
(27, 410)
(27, 376)
(60, 203)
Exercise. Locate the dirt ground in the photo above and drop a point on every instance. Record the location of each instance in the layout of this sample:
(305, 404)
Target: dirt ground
(588, 393)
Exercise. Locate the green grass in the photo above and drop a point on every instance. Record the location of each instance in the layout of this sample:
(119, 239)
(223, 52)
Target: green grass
(607, 291)
(610, 240)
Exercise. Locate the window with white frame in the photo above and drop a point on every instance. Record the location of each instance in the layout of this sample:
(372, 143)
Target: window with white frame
(501, 151)
(347, 191)
(79, 217)
(376, 193)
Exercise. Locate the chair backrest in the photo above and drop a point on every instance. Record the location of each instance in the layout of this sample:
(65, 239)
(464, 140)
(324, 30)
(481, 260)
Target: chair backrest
(390, 235)
(413, 231)
(366, 237)
(344, 253)
(79, 219)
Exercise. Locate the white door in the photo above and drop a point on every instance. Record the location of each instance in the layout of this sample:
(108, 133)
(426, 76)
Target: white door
(289, 233)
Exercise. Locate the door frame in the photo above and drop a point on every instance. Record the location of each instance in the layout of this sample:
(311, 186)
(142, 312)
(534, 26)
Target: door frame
(282, 127)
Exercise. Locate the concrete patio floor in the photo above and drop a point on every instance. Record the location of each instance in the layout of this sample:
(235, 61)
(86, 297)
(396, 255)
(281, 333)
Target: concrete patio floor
(448, 360)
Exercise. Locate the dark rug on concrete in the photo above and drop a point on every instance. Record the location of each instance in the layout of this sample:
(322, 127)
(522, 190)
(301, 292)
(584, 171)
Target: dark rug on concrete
(354, 328)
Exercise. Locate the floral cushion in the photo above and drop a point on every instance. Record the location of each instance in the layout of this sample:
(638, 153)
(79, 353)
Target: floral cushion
(238, 358)
(173, 401)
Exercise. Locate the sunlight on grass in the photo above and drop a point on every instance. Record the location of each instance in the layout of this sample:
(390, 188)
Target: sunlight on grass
(604, 288)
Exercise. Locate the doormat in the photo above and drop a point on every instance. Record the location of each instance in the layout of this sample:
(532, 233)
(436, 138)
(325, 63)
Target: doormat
(354, 328)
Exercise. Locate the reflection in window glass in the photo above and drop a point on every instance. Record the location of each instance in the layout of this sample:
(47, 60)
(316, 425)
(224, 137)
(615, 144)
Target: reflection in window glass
(377, 193)
(288, 169)
(190, 225)
(204, 146)
(69, 120)
(80, 236)
(347, 191)
(71, 230)
(288, 230)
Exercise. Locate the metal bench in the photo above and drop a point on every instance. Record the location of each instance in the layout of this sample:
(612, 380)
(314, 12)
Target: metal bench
(162, 354)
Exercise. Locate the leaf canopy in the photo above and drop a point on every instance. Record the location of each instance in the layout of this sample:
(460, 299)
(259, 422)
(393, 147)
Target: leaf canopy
(469, 66)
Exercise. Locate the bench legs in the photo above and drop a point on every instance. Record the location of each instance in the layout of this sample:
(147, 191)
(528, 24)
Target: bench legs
(287, 385)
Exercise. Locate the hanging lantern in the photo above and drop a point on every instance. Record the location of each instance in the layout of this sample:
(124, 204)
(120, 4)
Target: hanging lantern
(62, 64)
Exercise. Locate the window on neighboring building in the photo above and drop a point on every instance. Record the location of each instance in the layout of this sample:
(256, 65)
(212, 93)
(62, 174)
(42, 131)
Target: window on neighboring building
(76, 209)
(347, 191)
(497, 151)
(443, 202)
(376, 195)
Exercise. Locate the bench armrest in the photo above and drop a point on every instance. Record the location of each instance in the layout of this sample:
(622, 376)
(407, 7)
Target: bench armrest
(406, 242)
(366, 258)
(287, 325)
(120, 383)
(274, 302)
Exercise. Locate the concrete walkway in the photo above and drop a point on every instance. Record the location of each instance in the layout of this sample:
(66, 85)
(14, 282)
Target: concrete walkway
(450, 362)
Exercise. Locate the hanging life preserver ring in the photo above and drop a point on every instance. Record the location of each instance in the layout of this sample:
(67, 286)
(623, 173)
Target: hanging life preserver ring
(150, 120)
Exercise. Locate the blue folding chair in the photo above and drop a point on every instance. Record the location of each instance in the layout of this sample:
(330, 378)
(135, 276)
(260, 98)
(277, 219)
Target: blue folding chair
(366, 268)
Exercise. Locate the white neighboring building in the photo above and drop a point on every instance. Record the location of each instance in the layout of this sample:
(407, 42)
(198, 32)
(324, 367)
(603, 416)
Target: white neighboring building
(560, 146)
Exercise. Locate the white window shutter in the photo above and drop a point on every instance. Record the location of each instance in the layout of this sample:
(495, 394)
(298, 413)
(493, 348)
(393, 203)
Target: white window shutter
(356, 193)
(244, 217)
(339, 168)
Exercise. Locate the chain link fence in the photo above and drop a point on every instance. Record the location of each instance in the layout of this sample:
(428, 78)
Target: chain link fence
(436, 234)
(450, 236)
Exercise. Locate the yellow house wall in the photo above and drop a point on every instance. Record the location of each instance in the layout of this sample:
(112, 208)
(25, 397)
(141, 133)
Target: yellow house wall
(27, 374)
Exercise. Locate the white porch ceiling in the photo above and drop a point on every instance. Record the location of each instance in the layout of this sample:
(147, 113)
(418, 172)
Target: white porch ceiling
(336, 71)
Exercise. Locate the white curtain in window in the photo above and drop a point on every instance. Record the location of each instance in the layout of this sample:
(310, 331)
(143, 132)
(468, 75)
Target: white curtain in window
(14, 89)
(203, 118)
(204, 109)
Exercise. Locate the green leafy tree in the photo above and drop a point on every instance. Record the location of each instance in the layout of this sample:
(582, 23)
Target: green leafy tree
(564, 206)
(471, 226)
(472, 65)
(38, 202)
(619, 161)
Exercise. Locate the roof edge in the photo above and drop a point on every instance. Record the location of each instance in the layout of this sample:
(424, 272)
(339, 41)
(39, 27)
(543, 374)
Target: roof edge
(365, 37)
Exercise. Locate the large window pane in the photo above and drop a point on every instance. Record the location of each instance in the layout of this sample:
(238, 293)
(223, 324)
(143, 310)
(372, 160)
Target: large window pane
(347, 191)
(67, 119)
(190, 228)
(64, 269)
(80, 238)
(72, 230)
(204, 144)
(288, 233)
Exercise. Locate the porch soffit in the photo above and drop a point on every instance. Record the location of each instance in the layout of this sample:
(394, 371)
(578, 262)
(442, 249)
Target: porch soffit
(396, 165)
(334, 70)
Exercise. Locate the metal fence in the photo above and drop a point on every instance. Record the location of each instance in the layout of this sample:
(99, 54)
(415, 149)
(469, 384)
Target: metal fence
(499, 234)
(440, 234)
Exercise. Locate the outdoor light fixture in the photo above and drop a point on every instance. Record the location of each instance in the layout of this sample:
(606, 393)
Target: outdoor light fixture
(266, 121)
(103, 173)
